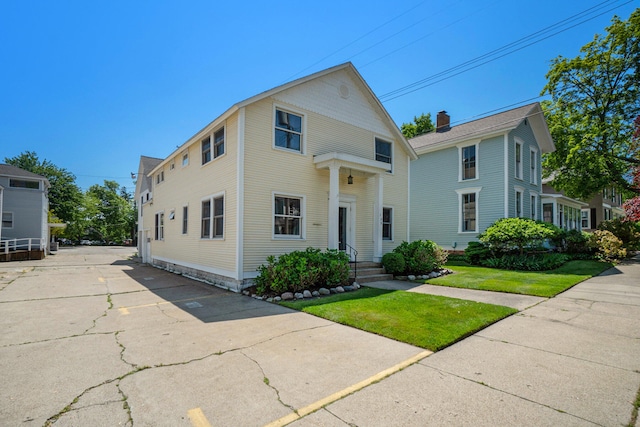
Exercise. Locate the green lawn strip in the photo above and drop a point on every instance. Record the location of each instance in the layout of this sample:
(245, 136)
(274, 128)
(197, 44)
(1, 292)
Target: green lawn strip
(428, 321)
(543, 283)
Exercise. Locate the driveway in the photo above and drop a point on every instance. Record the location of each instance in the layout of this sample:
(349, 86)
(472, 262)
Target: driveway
(92, 338)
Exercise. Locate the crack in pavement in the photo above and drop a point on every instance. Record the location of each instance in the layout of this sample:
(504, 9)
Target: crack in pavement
(268, 383)
(507, 393)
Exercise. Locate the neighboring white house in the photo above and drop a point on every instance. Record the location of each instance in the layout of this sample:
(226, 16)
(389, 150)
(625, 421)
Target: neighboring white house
(470, 175)
(316, 162)
(24, 207)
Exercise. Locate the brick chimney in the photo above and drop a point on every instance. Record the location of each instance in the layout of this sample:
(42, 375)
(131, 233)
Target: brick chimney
(442, 121)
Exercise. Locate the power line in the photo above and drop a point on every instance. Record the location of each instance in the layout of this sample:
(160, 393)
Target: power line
(467, 66)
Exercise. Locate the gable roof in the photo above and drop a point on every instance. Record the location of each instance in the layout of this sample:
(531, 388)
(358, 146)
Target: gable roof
(147, 164)
(347, 65)
(496, 124)
(16, 172)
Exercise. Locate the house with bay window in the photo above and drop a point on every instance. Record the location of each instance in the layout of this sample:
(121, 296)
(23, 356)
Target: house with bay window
(316, 162)
(470, 175)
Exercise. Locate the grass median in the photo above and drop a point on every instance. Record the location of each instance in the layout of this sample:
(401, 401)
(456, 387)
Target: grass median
(542, 283)
(428, 321)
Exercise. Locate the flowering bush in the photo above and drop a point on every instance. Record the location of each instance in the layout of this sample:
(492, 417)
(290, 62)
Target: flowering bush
(607, 246)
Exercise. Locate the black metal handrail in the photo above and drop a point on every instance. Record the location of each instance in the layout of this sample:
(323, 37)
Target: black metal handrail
(353, 251)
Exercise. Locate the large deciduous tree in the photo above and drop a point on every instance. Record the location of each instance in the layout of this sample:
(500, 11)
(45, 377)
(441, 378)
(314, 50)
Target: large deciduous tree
(109, 212)
(594, 99)
(420, 125)
(64, 195)
(632, 206)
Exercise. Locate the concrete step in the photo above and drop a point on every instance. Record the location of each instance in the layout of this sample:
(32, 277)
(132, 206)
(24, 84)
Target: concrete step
(367, 271)
(373, 278)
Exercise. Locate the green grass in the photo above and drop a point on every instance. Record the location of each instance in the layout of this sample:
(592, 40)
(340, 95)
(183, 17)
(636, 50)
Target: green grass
(543, 284)
(428, 321)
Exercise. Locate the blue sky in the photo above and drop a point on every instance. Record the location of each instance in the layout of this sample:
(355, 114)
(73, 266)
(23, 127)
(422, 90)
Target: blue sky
(91, 86)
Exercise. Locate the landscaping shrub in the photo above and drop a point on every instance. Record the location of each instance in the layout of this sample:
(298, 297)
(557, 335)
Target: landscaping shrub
(627, 231)
(476, 252)
(509, 233)
(534, 262)
(607, 246)
(576, 242)
(393, 263)
(421, 256)
(300, 270)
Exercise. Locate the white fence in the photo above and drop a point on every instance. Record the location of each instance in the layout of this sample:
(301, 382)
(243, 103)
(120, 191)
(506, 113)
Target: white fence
(28, 244)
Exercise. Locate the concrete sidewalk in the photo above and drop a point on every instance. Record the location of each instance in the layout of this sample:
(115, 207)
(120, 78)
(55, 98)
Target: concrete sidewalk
(572, 360)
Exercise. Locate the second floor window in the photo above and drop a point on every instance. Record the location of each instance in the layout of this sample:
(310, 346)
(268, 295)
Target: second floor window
(218, 143)
(383, 151)
(288, 130)
(469, 162)
(206, 150)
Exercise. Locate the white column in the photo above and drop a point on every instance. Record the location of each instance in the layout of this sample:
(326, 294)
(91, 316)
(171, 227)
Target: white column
(334, 203)
(377, 223)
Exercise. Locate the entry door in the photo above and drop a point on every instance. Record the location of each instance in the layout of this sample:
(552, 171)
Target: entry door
(345, 228)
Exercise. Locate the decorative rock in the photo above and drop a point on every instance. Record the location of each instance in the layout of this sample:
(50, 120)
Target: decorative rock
(277, 299)
(324, 291)
(315, 293)
(356, 285)
(269, 299)
(306, 293)
(298, 295)
(348, 288)
(258, 297)
(339, 289)
(287, 296)
(245, 293)
(433, 275)
(411, 277)
(333, 291)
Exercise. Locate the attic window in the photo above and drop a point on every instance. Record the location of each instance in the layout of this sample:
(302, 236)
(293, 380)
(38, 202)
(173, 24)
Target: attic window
(288, 130)
(24, 183)
(383, 151)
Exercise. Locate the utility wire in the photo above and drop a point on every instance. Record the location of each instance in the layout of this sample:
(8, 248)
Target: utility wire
(467, 66)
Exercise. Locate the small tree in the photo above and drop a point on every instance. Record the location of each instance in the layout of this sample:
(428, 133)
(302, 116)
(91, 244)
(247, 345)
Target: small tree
(508, 233)
(420, 125)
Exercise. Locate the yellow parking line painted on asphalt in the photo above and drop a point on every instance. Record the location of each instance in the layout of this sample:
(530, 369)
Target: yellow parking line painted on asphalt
(123, 311)
(101, 279)
(197, 418)
(303, 412)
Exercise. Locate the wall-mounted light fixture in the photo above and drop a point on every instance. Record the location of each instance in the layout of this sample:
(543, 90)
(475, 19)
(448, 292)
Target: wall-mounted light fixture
(349, 178)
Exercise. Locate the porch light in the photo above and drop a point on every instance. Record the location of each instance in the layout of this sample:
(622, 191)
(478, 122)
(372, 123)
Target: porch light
(349, 178)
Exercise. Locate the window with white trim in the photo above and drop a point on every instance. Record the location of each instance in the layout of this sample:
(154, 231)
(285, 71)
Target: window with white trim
(518, 160)
(585, 218)
(185, 159)
(218, 143)
(387, 223)
(206, 150)
(468, 162)
(533, 177)
(185, 219)
(159, 226)
(384, 151)
(469, 213)
(534, 206)
(288, 130)
(519, 203)
(288, 216)
(7, 219)
(160, 177)
(24, 183)
(547, 212)
(212, 225)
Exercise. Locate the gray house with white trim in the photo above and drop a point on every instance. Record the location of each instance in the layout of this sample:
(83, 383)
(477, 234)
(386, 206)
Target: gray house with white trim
(470, 175)
(24, 207)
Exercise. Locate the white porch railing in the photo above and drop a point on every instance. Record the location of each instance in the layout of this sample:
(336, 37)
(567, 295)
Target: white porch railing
(26, 244)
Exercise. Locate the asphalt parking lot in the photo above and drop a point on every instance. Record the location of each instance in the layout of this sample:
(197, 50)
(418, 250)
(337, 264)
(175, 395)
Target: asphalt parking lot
(91, 337)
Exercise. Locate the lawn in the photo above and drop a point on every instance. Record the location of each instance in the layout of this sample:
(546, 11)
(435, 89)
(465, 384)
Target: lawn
(428, 321)
(543, 284)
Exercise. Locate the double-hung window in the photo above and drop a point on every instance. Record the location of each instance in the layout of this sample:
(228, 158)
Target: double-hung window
(469, 213)
(533, 177)
(383, 151)
(185, 159)
(468, 162)
(519, 203)
(387, 223)
(159, 226)
(518, 160)
(585, 220)
(206, 150)
(288, 130)
(534, 206)
(218, 143)
(185, 219)
(7, 219)
(288, 216)
(212, 225)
